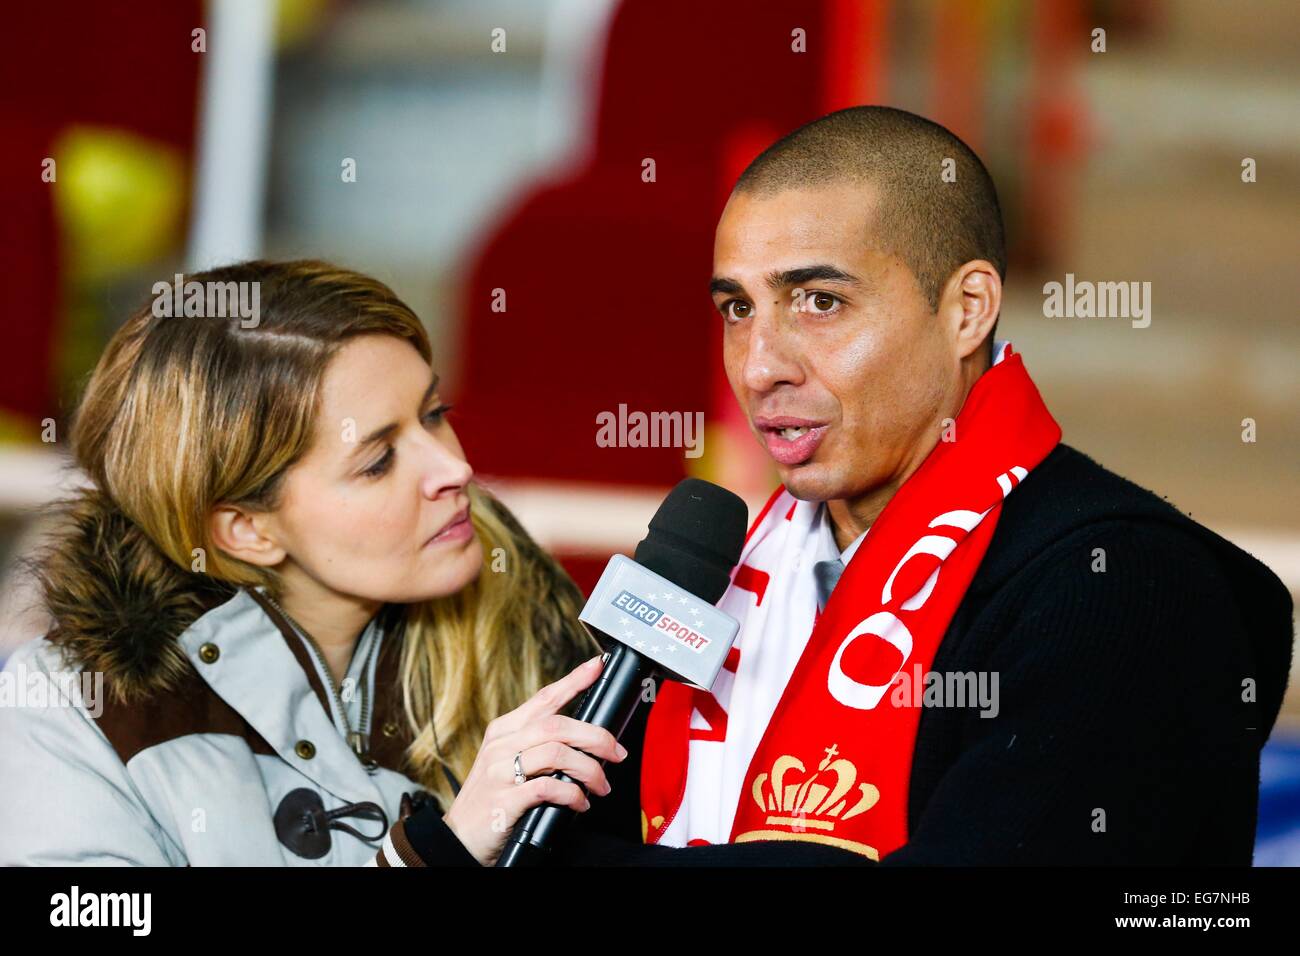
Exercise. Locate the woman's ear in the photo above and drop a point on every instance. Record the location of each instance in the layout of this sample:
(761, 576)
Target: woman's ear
(244, 535)
(975, 296)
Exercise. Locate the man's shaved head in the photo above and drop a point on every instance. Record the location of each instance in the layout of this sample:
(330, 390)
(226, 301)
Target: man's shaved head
(859, 288)
(933, 225)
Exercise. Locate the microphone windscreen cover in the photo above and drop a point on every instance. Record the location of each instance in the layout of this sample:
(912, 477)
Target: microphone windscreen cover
(696, 537)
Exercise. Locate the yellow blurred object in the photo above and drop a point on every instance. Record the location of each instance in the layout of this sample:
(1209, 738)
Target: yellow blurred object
(17, 429)
(297, 19)
(120, 200)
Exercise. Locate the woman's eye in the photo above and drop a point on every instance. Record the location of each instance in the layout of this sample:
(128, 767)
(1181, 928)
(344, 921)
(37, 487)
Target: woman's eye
(381, 466)
(733, 310)
(434, 416)
(819, 303)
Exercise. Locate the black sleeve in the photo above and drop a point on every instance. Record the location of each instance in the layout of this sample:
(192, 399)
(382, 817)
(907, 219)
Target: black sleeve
(433, 841)
(422, 839)
(1120, 730)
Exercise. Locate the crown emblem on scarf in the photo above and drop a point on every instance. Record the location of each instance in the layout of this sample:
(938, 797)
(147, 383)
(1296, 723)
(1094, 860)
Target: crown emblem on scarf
(810, 806)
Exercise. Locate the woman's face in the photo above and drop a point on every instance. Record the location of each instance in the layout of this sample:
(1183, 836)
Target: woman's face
(378, 507)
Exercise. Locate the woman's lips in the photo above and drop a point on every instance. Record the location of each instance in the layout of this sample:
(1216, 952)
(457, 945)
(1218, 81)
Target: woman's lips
(791, 451)
(460, 529)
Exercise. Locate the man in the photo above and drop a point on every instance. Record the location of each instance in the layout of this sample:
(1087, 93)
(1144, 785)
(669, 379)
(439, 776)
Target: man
(1028, 659)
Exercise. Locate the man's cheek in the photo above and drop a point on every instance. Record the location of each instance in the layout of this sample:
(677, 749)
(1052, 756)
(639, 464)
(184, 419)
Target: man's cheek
(732, 369)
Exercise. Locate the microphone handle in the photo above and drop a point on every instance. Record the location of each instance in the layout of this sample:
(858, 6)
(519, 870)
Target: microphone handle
(609, 703)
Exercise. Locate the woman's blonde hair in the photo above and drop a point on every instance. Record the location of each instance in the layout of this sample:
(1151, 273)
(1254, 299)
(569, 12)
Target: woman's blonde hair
(182, 413)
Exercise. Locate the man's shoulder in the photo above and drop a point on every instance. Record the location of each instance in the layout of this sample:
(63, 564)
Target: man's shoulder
(1069, 497)
(1069, 489)
(1078, 548)
(1072, 519)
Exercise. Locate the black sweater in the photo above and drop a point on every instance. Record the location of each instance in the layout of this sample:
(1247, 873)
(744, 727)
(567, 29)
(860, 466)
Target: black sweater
(1133, 702)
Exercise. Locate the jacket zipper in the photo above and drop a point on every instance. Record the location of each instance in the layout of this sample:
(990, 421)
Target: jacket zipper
(358, 740)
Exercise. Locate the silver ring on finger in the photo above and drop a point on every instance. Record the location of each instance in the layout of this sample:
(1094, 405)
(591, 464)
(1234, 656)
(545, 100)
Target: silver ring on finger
(520, 777)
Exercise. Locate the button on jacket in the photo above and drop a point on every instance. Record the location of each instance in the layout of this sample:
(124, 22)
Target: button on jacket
(247, 762)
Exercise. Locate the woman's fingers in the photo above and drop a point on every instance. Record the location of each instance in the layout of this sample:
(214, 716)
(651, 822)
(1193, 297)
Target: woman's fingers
(549, 700)
(547, 789)
(597, 741)
(549, 757)
(547, 742)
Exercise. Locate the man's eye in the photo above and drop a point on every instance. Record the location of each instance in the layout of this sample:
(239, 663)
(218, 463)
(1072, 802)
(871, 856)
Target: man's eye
(733, 310)
(819, 303)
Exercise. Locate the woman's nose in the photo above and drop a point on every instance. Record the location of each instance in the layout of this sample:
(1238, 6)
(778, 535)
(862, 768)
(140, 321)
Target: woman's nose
(445, 470)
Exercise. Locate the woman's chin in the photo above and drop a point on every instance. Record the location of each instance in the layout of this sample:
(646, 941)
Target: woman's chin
(432, 578)
(454, 573)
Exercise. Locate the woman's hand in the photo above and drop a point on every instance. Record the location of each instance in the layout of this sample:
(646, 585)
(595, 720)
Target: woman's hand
(490, 802)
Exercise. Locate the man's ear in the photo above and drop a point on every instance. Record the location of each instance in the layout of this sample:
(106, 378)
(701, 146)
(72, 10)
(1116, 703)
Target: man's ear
(244, 535)
(971, 301)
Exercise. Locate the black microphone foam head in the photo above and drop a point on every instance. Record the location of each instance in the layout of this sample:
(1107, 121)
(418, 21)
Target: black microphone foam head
(695, 538)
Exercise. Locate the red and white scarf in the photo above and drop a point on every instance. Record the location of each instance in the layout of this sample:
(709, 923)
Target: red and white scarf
(797, 740)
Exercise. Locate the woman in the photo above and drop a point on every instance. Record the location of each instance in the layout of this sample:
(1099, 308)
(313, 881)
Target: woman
(285, 619)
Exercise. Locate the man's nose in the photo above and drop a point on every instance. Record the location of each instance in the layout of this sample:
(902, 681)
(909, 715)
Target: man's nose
(770, 357)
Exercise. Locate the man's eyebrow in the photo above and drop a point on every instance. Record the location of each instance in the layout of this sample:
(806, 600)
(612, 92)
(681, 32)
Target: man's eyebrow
(802, 276)
(721, 285)
(824, 272)
(384, 431)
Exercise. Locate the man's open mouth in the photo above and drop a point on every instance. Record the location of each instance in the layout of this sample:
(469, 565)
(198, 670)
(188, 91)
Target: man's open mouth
(790, 441)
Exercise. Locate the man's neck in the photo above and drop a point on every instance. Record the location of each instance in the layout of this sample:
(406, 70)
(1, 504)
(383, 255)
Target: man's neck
(852, 516)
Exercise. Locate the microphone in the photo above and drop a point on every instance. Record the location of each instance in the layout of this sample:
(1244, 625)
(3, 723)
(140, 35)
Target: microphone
(657, 616)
